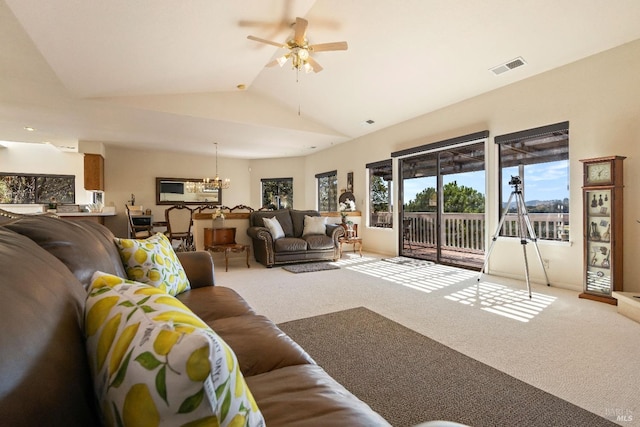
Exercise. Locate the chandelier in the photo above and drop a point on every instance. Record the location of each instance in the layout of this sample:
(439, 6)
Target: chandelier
(208, 185)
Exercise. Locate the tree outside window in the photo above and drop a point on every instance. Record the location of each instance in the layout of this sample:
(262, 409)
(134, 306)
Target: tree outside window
(380, 194)
(277, 193)
(327, 191)
(36, 189)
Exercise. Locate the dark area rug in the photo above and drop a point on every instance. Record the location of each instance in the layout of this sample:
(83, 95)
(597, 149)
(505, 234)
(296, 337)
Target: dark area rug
(409, 378)
(310, 267)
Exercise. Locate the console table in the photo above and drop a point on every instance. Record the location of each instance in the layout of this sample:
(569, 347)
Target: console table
(224, 240)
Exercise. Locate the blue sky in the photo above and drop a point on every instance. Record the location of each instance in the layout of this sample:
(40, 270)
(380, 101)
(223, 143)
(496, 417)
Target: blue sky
(545, 181)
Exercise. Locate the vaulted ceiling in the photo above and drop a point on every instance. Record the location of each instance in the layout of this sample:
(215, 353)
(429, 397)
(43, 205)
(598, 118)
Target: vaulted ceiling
(164, 74)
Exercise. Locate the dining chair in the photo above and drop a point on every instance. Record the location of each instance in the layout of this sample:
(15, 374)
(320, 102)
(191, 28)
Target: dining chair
(137, 231)
(179, 219)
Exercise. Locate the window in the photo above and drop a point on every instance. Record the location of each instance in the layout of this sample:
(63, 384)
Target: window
(37, 189)
(536, 163)
(277, 193)
(380, 194)
(327, 191)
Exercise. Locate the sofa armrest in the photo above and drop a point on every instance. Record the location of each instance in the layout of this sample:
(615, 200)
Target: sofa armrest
(335, 231)
(198, 266)
(262, 245)
(260, 233)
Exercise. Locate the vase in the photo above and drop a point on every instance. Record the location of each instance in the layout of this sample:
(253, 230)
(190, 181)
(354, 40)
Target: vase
(344, 220)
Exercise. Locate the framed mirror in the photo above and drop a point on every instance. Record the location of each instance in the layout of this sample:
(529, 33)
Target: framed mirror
(188, 191)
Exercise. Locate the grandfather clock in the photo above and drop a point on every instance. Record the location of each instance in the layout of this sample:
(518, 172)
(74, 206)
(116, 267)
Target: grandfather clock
(602, 198)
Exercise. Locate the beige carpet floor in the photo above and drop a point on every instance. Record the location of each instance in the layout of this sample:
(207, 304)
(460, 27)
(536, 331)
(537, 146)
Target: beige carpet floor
(579, 350)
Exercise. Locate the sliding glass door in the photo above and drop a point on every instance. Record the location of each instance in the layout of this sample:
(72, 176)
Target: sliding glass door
(443, 204)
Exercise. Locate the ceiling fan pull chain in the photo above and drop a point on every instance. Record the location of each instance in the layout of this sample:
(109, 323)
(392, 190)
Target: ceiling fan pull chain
(299, 91)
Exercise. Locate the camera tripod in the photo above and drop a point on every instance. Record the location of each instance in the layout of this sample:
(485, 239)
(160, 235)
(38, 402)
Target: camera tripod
(524, 225)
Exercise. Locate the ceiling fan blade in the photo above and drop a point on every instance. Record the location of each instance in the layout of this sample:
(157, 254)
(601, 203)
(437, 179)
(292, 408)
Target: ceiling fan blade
(323, 47)
(301, 30)
(258, 39)
(314, 64)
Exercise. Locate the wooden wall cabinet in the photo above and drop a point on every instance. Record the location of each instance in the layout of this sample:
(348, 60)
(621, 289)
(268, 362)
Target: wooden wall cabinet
(93, 172)
(602, 197)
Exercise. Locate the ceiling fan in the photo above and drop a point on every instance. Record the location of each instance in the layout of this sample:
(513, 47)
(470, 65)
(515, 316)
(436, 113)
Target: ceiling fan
(299, 49)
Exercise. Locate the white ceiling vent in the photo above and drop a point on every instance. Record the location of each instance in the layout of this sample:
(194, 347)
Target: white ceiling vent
(508, 66)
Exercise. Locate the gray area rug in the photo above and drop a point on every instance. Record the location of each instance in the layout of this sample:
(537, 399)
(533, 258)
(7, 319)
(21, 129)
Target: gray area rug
(310, 267)
(409, 378)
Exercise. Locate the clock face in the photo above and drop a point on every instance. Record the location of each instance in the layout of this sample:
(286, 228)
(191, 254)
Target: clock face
(599, 173)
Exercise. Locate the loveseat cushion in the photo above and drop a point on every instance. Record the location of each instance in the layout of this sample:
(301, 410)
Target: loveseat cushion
(289, 244)
(82, 246)
(44, 374)
(215, 302)
(319, 241)
(282, 215)
(306, 396)
(297, 218)
(259, 344)
(154, 361)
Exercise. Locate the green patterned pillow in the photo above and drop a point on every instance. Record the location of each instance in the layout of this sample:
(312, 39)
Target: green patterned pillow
(154, 262)
(156, 363)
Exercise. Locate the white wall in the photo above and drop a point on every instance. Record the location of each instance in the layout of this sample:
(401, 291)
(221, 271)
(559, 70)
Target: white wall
(135, 171)
(599, 96)
(293, 167)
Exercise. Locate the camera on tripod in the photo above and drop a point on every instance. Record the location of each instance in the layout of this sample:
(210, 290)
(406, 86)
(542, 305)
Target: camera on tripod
(515, 180)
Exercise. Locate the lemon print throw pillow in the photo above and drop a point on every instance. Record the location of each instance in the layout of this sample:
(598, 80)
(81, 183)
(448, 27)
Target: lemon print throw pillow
(153, 261)
(155, 363)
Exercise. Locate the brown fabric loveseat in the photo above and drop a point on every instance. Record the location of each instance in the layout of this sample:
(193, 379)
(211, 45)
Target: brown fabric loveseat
(45, 267)
(295, 246)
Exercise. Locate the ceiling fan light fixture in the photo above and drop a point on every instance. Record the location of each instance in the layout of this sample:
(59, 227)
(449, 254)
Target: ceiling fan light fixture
(303, 54)
(283, 59)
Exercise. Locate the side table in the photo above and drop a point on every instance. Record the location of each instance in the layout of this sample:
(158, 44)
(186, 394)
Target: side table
(353, 240)
(224, 240)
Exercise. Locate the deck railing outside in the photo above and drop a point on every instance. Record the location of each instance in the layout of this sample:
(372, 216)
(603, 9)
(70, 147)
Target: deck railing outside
(466, 231)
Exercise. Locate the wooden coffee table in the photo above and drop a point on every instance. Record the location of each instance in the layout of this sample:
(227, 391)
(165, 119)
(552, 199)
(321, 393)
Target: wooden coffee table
(223, 240)
(227, 249)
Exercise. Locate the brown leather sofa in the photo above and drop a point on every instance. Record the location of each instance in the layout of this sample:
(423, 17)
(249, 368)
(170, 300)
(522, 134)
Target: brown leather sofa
(45, 266)
(294, 246)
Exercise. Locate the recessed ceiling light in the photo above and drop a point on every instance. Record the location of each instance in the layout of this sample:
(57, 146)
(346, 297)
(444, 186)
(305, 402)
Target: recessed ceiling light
(29, 129)
(241, 86)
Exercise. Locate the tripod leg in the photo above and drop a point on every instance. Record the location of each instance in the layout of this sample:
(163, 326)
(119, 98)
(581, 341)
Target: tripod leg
(534, 239)
(495, 236)
(522, 230)
(526, 267)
